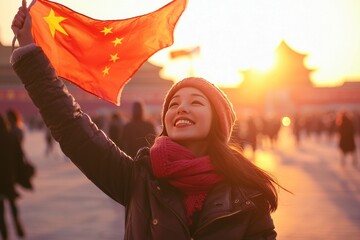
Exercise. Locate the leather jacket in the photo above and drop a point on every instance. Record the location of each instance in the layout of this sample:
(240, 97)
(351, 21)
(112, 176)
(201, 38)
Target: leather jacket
(154, 209)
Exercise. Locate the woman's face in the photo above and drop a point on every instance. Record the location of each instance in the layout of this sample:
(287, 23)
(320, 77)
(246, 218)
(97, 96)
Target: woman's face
(189, 116)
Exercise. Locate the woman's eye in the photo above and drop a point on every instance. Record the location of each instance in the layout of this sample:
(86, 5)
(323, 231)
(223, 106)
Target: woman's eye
(197, 102)
(173, 104)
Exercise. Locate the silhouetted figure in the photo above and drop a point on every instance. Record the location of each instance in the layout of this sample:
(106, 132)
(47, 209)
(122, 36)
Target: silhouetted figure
(330, 125)
(49, 142)
(16, 124)
(116, 129)
(137, 132)
(296, 123)
(251, 134)
(10, 160)
(346, 138)
(272, 127)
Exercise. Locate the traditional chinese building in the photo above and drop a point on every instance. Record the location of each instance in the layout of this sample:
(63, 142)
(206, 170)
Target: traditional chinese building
(287, 88)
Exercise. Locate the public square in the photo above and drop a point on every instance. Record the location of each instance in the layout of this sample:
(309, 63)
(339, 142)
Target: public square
(325, 203)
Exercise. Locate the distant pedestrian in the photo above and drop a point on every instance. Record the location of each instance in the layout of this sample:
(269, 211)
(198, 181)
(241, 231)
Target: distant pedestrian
(116, 127)
(346, 130)
(10, 160)
(16, 124)
(137, 132)
(49, 143)
(252, 133)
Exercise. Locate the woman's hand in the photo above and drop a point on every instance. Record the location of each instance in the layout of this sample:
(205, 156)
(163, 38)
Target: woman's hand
(21, 26)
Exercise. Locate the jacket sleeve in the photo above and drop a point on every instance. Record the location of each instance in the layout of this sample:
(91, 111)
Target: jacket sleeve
(80, 139)
(261, 225)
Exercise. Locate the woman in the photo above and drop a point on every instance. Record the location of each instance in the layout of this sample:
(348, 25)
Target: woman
(347, 143)
(189, 185)
(137, 131)
(10, 159)
(16, 124)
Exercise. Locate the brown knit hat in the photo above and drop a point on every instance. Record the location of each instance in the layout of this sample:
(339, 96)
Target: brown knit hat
(217, 98)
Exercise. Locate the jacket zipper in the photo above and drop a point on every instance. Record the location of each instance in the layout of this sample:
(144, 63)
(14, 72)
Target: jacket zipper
(180, 219)
(223, 216)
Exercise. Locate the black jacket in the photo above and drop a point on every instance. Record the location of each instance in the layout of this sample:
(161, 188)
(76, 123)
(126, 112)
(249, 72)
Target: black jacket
(154, 209)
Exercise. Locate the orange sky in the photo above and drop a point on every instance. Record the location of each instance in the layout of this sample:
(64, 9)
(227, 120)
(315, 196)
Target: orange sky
(235, 35)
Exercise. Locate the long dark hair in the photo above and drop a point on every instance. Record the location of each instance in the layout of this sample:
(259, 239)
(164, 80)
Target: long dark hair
(237, 169)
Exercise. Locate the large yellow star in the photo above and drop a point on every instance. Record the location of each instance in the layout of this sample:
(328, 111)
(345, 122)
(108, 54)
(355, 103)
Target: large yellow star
(106, 30)
(54, 23)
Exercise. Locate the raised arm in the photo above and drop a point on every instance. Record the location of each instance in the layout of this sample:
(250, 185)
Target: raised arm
(80, 139)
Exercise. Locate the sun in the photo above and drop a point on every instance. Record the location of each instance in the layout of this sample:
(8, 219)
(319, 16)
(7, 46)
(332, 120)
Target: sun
(231, 38)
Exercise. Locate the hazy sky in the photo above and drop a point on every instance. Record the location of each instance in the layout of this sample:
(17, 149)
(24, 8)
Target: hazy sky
(238, 34)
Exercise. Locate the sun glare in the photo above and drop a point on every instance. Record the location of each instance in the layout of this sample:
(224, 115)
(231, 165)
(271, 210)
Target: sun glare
(232, 36)
(286, 121)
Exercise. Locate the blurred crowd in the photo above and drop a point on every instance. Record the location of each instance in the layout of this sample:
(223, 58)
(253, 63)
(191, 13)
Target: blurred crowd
(137, 128)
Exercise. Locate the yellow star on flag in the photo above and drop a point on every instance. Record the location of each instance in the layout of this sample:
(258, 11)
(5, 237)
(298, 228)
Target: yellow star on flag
(117, 41)
(114, 57)
(106, 71)
(54, 23)
(106, 30)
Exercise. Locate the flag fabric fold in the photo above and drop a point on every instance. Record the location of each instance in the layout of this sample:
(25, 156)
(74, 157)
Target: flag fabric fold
(100, 56)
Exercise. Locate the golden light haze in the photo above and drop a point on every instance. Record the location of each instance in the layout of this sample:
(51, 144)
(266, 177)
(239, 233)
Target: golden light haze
(235, 35)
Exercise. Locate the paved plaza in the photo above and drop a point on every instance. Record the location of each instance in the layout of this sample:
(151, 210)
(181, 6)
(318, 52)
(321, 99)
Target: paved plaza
(325, 203)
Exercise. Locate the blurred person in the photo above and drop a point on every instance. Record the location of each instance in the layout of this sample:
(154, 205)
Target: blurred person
(138, 132)
(16, 124)
(116, 127)
(49, 143)
(190, 184)
(347, 144)
(296, 128)
(10, 160)
(271, 128)
(252, 133)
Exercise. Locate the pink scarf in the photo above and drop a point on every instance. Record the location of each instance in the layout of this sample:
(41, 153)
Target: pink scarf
(194, 176)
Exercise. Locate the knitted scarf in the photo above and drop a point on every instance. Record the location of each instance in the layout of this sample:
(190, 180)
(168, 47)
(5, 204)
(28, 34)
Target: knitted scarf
(193, 176)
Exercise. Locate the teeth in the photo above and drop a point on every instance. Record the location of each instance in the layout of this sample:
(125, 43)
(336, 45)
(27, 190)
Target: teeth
(187, 122)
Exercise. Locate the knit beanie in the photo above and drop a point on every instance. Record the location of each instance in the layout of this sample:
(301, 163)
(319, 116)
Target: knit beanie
(221, 104)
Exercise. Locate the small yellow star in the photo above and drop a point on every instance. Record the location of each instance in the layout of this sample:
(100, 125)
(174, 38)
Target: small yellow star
(117, 41)
(114, 57)
(54, 23)
(106, 30)
(106, 71)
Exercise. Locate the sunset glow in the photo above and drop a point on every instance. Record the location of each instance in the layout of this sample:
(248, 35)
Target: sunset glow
(238, 35)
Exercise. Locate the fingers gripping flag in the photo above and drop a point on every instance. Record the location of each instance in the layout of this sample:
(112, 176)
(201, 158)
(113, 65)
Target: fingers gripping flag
(101, 56)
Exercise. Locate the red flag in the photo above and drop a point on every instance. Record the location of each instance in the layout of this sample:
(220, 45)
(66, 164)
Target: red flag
(184, 52)
(101, 56)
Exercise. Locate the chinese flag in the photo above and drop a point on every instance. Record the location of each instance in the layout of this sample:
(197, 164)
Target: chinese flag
(101, 56)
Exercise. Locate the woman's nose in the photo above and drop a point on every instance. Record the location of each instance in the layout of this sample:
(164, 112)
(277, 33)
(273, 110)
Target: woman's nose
(182, 109)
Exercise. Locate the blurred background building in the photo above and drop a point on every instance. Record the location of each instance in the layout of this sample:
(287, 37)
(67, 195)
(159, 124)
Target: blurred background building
(285, 89)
